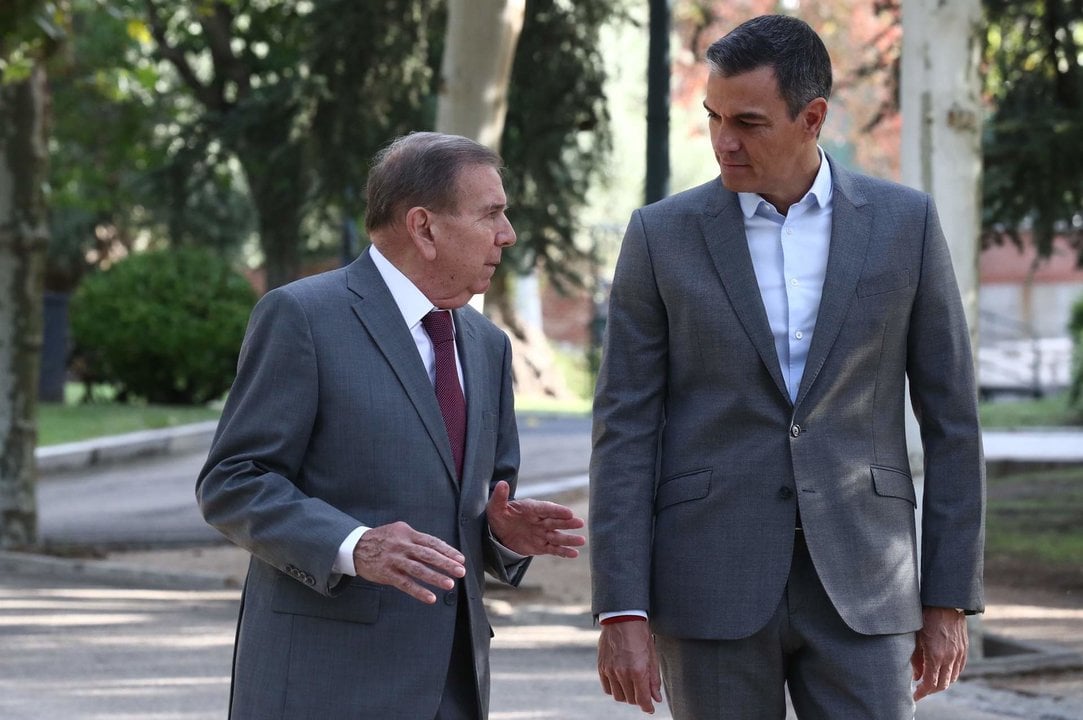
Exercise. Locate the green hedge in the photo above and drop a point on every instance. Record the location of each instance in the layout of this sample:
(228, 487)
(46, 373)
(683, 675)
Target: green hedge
(164, 326)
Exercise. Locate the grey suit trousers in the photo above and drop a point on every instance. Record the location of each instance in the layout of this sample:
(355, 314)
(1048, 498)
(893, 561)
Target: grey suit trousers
(831, 671)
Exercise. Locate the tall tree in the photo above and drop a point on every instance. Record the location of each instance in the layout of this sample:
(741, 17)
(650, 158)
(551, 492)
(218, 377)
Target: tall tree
(1034, 137)
(23, 237)
(288, 89)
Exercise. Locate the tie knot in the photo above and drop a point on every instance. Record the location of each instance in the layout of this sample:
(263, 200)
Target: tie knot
(438, 325)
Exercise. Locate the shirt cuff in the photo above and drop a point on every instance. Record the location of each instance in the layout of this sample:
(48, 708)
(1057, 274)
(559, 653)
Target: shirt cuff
(635, 613)
(344, 560)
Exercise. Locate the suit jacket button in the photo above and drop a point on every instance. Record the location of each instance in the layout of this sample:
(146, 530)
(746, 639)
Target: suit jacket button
(450, 596)
(785, 493)
(795, 430)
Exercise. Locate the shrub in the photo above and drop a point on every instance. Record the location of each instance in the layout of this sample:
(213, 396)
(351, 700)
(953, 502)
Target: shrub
(165, 325)
(1075, 329)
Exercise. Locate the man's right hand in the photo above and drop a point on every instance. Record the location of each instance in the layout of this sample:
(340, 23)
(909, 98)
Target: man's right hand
(628, 666)
(399, 556)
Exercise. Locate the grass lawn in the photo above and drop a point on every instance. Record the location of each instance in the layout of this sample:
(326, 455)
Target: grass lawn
(1050, 411)
(61, 423)
(1035, 528)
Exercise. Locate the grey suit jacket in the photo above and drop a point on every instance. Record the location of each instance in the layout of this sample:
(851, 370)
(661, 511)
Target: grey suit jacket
(331, 423)
(701, 460)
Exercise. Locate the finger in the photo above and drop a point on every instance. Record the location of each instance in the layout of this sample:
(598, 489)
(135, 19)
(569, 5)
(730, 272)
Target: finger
(419, 572)
(441, 563)
(414, 590)
(605, 682)
(644, 697)
(917, 662)
(927, 686)
(566, 539)
(618, 691)
(436, 544)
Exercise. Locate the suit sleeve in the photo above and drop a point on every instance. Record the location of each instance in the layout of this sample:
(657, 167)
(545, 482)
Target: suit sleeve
(628, 420)
(246, 489)
(501, 563)
(940, 368)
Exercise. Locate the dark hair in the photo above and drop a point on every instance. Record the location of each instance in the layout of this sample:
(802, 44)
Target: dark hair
(787, 45)
(419, 170)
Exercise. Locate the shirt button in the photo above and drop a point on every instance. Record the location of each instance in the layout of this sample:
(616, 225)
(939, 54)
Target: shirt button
(794, 282)
(799, 334)
(789, 231)
(795, 430)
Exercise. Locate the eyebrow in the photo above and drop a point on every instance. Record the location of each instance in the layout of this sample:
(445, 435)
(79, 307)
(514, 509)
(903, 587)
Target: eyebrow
(747, 115)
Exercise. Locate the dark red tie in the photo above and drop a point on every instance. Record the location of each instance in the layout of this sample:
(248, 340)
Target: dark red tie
(448, 391)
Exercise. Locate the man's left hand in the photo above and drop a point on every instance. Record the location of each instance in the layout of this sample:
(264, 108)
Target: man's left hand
(940, 653)
(533, 527)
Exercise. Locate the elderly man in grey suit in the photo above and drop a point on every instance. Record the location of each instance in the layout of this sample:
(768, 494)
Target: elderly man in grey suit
(366, 456)
(752, 512)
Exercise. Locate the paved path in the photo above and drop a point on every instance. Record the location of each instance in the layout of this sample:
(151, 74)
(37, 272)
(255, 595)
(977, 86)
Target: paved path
(91, 651)
(90, 644)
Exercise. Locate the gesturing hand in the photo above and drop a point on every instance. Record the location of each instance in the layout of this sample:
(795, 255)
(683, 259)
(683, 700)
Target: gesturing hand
(940, 651)
(533, 527)
(399, 556)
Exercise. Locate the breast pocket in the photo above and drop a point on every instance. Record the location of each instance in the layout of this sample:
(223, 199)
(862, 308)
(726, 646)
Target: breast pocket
(884, 282)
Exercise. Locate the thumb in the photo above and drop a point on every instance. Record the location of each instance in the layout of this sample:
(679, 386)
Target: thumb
(501, 493)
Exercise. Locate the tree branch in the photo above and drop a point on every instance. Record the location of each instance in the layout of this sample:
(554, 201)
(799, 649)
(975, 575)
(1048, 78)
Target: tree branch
(175, 57)
(217, 28)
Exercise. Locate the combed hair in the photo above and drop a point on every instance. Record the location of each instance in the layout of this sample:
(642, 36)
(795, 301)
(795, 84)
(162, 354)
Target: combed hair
(419, 170)
(787, 45)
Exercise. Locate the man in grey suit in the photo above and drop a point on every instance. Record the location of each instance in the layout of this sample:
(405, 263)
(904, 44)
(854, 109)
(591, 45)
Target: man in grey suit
(366, 456)
(752, 512)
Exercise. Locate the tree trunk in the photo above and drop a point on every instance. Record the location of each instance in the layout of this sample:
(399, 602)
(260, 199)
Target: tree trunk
(475, 73)
(941, 149)
(473, 102)
(274, 169)
(23, 235)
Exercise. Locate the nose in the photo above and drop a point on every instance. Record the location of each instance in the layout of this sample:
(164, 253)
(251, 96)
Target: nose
(725, 141)
(505, 237)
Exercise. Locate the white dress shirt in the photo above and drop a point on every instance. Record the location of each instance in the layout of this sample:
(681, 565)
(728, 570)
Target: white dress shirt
(789, 255)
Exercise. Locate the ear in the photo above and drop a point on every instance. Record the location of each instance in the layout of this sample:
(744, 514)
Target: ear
(419, 223)
(814, 115)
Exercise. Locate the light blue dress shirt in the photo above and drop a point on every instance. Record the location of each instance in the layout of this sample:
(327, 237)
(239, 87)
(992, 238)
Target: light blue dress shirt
(789, 255)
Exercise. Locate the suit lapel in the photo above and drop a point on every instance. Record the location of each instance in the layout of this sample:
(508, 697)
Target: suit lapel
(723, 227)
(376, 309)
(851, 225)
(472, 357)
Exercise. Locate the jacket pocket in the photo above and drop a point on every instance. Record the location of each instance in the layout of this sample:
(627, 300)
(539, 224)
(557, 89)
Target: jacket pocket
(359, 602)
(889, 482)
(682, 488)
(883, 283)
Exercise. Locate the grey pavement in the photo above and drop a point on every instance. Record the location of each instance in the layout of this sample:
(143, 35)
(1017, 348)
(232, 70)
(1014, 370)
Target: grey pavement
(104, 639)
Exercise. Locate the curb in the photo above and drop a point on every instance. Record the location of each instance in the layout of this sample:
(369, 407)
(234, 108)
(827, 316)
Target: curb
(115, 448)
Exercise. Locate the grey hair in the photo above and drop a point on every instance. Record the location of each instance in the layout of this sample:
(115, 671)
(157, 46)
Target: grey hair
(419, 170)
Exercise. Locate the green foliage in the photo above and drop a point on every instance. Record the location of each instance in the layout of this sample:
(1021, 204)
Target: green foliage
(164, 326)
(557, 136)
(1049, 411)
(1075, 330)
(1033, 142)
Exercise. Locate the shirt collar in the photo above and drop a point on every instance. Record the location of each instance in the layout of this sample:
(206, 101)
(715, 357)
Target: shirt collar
(820, 193)
(411, 302)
